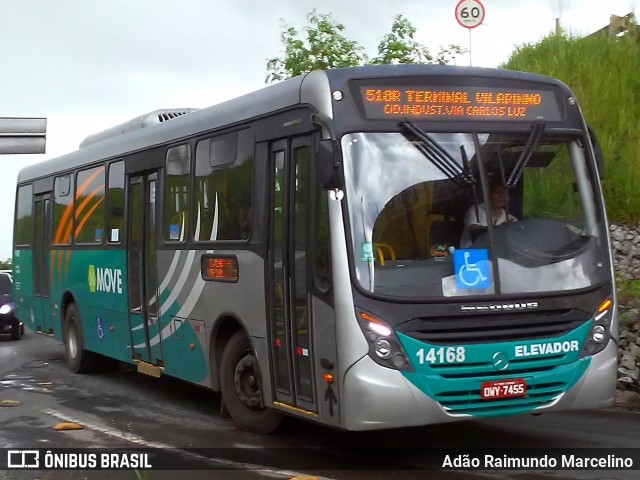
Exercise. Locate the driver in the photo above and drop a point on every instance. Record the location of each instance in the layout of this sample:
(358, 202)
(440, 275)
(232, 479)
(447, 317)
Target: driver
(476, 218)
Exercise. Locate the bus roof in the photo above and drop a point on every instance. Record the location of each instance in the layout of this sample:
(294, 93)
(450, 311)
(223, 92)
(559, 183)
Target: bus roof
(312, 88)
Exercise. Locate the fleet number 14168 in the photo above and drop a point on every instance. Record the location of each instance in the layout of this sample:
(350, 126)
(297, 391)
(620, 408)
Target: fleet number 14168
(441, 355)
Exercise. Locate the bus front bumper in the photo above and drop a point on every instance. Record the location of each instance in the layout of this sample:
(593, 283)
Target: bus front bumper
(376, 397)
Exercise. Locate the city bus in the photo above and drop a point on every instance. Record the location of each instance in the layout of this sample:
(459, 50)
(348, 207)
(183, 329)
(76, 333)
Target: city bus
(303, 249)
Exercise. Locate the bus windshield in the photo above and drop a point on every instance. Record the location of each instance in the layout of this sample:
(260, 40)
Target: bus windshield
(460, 214)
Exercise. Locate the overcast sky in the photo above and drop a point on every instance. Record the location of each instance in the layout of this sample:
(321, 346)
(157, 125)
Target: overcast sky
(87, 65)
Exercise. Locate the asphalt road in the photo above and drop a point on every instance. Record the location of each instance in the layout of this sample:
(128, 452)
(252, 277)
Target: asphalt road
(181, 426)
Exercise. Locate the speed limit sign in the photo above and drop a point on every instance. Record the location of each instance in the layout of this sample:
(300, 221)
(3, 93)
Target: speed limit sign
(469, 13)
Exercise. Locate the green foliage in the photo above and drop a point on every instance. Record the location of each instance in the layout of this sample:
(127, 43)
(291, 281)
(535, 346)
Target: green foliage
(399, 45)
(603, 73)
(628, 292)
(549, 192)
(448, 55)
(325, 47)
(6, 265)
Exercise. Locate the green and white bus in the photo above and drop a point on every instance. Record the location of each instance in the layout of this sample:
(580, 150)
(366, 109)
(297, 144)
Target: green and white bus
(303, 249)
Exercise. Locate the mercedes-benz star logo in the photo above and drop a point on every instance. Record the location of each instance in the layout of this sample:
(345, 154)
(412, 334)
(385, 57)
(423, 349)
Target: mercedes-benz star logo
(500, 360)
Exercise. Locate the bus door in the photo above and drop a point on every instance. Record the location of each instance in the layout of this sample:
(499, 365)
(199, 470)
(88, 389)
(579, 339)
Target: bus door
(141, 265)
(41, 280)
(289, 283)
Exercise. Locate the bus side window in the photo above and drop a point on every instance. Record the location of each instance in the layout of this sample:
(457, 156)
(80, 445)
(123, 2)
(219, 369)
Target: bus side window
(115, 202)
(63, 210)
(89, 210)
(224, 182)
(24, 216)
(176, 194)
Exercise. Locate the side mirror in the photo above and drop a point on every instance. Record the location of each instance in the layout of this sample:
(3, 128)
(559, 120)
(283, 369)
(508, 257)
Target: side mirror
(597, 152)
(326, 165)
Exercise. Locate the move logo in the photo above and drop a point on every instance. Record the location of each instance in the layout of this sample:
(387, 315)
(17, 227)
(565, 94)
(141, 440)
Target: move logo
(104, 279)
(92, 278)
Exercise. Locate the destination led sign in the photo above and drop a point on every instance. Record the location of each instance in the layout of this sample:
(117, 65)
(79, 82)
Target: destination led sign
(460, 103)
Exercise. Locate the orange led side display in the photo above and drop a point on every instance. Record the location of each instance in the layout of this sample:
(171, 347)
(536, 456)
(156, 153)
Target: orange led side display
(220, 268)
(468, 103)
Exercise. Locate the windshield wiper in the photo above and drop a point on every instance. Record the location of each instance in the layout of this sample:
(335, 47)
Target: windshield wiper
(525, 156)
(440, 157)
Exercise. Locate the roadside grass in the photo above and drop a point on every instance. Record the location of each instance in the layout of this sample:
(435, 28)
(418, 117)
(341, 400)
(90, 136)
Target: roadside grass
(628, 293)
(602, 72)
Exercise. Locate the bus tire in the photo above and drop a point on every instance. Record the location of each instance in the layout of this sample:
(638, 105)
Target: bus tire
(241, 389)
(78, 359)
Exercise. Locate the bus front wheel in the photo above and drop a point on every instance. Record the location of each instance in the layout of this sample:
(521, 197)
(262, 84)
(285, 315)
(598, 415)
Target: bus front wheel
(242, 390)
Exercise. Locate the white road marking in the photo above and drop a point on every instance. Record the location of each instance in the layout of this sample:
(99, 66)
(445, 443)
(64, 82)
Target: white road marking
(130, 437)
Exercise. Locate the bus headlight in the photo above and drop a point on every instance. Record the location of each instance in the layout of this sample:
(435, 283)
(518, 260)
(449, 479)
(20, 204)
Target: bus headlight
(600, 333)
(384, 347)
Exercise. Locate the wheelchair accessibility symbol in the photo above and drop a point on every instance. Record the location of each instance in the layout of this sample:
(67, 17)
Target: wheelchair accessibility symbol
(472, 268)
(100, 329)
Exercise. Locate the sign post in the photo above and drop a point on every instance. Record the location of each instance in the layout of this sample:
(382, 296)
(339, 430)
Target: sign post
(470, 14)
(22, 135)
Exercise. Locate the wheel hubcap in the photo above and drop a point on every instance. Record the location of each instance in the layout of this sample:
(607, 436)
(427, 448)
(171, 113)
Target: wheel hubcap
(73, 343)
(246, 382)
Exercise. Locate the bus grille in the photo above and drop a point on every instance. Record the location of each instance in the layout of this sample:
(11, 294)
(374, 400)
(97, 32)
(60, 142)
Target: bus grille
(468, 402)
(502, 327)
(546, 379)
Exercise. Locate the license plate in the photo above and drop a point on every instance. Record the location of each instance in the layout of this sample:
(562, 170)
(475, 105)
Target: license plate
(514, 387)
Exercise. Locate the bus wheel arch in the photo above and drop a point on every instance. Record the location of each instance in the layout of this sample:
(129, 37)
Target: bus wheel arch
(241, 386)
(67, 299)
(225, 328)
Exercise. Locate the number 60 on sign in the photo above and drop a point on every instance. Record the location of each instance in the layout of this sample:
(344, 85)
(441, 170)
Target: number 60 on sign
(469, 13)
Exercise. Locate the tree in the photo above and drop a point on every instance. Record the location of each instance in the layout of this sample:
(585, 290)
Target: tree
(325, 46)
(399, 45)
(449, 54)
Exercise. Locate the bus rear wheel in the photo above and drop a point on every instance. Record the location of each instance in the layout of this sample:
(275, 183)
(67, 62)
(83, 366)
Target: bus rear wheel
(78, 359)
(242, 390)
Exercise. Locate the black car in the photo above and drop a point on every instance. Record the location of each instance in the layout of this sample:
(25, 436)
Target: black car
(8, 321)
